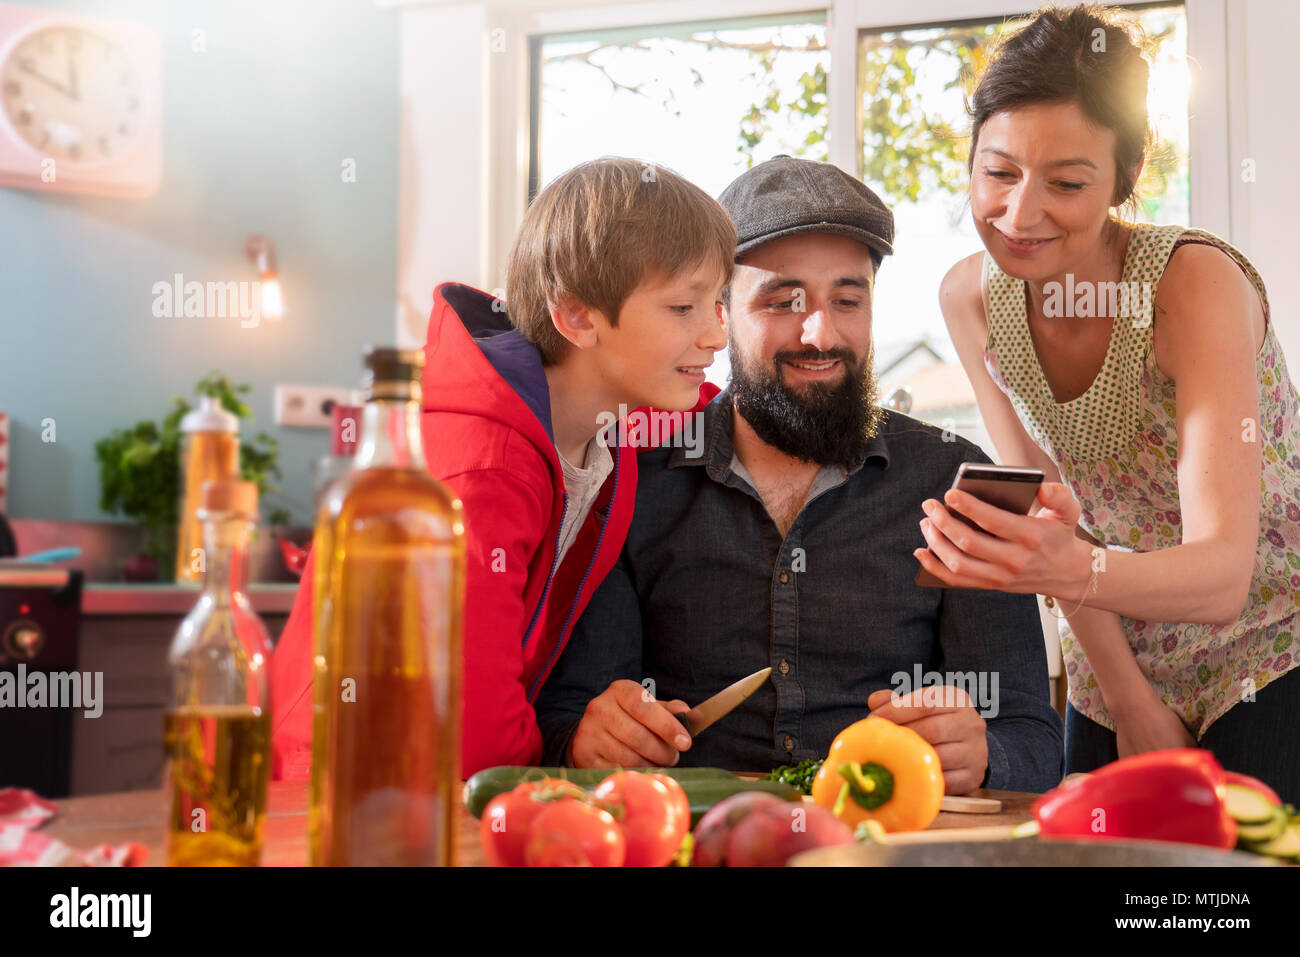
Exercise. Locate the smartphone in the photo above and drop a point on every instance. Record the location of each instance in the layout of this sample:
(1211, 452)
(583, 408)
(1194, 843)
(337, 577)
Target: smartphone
(1012, 488)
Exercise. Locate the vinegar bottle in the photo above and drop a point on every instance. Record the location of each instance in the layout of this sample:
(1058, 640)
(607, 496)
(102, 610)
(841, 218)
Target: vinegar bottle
(388, 600)
(217, 728)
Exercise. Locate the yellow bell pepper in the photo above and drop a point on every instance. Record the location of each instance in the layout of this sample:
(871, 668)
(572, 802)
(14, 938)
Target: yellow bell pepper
(881, 771)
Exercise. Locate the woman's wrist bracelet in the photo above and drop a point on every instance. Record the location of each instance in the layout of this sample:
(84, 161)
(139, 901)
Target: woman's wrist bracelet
(1097, 566)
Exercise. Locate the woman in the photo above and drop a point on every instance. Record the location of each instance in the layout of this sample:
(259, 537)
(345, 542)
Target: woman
(1184, 628)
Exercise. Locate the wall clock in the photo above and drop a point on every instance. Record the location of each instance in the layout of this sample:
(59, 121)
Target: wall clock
(80, 103)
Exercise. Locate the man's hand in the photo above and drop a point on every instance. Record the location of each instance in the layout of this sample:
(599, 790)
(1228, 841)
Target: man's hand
(627, 728)
(945, 717)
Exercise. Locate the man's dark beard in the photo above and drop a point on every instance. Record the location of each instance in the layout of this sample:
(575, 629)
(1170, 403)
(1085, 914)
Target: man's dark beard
(828, 424)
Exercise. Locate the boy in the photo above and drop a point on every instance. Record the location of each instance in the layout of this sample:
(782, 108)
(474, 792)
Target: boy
(614, 285)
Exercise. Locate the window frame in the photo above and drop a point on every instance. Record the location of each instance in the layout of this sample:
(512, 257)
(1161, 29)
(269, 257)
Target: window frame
(514, 86)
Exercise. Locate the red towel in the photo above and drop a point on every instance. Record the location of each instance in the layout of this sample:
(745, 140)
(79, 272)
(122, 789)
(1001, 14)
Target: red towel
(22, 812)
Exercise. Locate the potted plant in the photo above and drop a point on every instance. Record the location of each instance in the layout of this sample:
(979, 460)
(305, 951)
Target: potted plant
(139, 474)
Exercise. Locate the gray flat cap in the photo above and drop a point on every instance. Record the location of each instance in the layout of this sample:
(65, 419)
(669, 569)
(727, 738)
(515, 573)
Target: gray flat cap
(786, 196)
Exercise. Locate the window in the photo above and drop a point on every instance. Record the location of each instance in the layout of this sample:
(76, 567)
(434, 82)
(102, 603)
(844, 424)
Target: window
(707, 100)
(711, 99)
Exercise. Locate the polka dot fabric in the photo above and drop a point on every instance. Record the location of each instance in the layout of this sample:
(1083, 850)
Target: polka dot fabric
(1117, 448)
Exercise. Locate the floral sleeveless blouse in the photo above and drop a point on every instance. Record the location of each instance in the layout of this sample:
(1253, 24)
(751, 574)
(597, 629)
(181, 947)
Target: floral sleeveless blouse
(1117, 448)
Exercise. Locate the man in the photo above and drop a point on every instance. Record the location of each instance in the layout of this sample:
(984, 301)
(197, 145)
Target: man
(789, 542)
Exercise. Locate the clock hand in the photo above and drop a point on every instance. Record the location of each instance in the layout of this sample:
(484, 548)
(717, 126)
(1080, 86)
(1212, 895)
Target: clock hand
(30, 71)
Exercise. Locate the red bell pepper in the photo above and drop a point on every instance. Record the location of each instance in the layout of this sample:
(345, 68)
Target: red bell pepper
(1173, 795)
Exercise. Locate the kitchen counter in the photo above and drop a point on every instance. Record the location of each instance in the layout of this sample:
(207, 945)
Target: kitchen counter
(125, 633)
(100, 598)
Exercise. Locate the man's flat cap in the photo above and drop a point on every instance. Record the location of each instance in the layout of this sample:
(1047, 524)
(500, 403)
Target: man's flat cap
(786, 196)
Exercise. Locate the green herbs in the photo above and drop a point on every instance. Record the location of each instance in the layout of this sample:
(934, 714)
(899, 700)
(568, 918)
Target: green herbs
(797, 775)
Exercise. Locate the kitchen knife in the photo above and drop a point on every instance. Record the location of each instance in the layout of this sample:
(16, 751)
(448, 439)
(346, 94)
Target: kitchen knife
(707, 712)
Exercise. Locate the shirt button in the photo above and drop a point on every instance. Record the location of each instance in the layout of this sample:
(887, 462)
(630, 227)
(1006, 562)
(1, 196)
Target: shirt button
(785, 667)
(789, 743)
(785, 577)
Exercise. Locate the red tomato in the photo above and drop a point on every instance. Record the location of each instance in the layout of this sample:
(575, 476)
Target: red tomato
(680, 799)
(571, 833)
(508, 818)
(650, 814)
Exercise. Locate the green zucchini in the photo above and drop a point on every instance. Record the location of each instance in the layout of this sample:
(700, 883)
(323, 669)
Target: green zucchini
(704, 794)
(704, 787)
(1247, 806)
(1286, 844)
(1252, 834)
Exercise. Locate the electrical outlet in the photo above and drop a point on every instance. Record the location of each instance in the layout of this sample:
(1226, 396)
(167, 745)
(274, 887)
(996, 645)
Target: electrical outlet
(307, 406)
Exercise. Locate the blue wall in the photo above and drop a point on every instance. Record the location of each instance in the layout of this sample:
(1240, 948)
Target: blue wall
(255, 130)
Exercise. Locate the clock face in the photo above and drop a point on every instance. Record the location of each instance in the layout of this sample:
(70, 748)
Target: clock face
(72, 94)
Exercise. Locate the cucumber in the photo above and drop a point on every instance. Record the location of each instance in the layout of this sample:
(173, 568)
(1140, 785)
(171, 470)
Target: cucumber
(1248, 806)
(1252, 834)
(490, 782)
(1286, 844)
(704, 787)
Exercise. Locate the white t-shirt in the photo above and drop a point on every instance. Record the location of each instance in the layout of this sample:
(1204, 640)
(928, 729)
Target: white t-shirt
(583, 485)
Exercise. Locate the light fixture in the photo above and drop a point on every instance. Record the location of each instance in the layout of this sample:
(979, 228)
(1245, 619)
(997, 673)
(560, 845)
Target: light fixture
(261, 251)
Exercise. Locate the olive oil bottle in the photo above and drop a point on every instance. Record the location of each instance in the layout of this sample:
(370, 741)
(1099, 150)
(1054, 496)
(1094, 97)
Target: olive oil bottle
(217, 728)
(388, 602)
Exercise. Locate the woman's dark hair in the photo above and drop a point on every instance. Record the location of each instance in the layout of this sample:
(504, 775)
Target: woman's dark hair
(1090, 55)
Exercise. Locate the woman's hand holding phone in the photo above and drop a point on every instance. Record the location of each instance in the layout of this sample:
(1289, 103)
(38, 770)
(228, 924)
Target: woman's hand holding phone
(1032, 554)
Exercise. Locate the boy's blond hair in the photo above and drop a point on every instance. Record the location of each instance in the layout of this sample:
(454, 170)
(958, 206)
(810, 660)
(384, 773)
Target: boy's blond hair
(597, 231)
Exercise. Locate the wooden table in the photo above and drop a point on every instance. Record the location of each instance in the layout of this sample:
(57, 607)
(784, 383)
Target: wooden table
(138, 816)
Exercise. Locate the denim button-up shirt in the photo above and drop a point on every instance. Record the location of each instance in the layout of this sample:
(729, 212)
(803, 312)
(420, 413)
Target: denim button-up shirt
(707, 591)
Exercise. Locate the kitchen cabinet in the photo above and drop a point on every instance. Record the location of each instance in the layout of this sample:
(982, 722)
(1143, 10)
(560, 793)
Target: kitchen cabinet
(125, 633)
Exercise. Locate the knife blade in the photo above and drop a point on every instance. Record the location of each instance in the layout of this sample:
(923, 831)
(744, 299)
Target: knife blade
(721, 704)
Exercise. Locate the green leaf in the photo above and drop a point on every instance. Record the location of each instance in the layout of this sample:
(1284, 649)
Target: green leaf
(138, 455)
